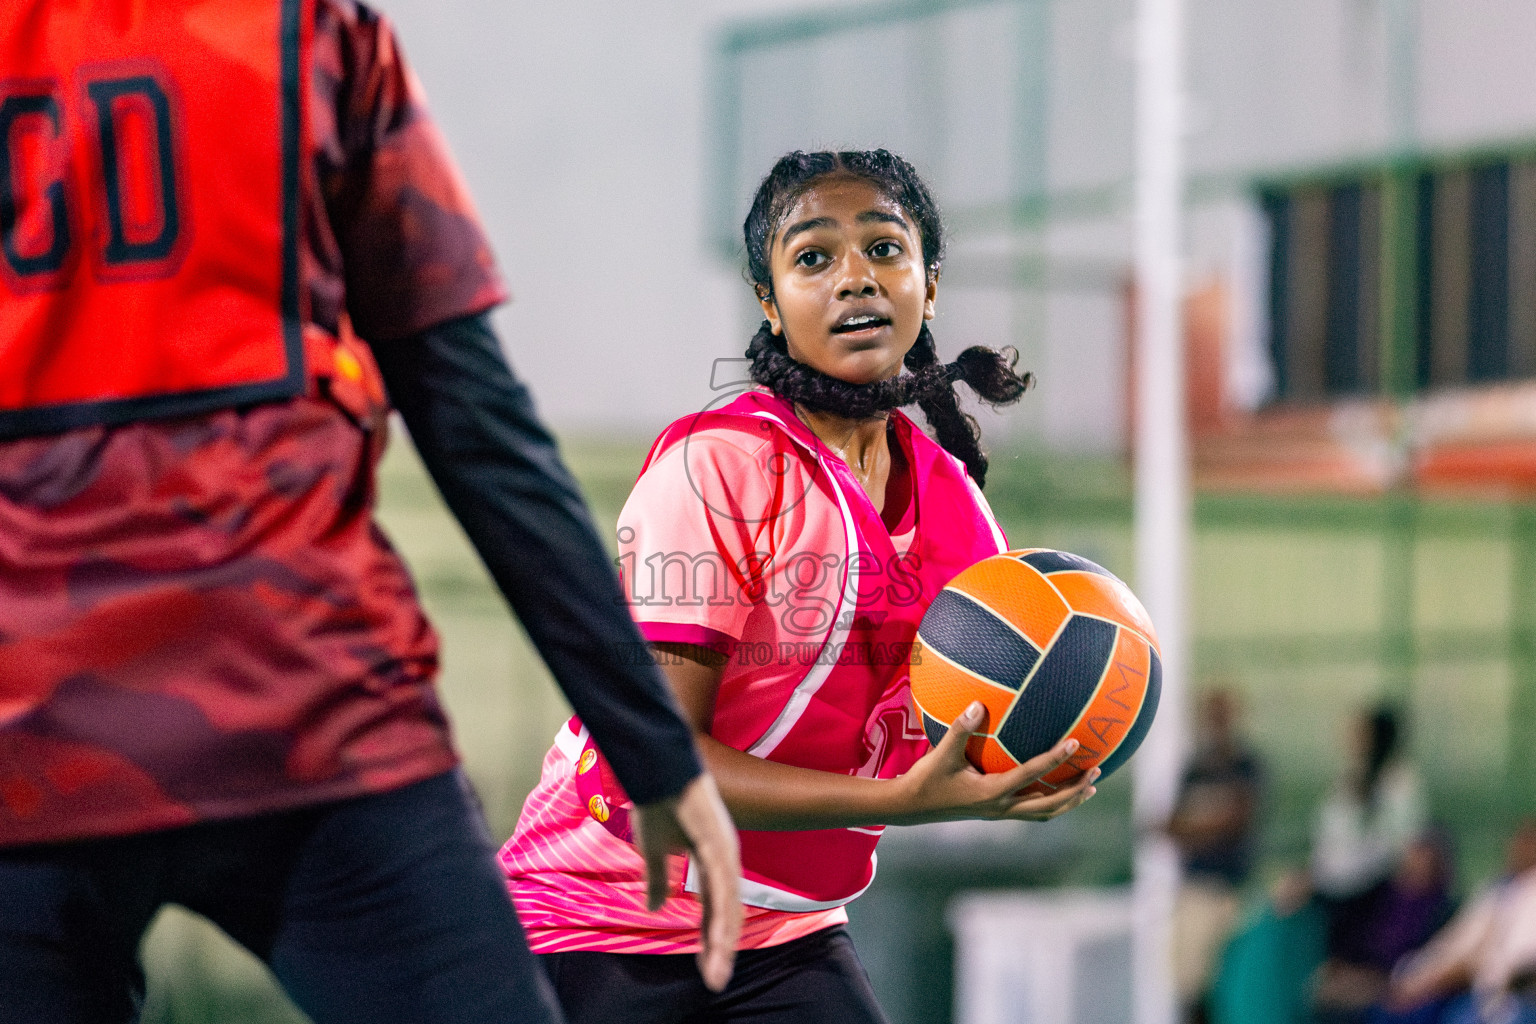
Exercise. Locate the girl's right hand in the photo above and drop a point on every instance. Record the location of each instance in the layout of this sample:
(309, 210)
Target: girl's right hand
(944, 786)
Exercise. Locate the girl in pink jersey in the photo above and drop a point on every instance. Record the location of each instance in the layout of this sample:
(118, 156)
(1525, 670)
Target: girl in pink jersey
(779, 552)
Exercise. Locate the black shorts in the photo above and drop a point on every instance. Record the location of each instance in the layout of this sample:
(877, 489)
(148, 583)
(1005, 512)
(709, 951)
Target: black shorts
(809, 980)
(379, 908)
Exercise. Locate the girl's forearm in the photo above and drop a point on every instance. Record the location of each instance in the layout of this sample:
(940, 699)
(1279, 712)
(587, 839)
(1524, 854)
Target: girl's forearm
(767, 796)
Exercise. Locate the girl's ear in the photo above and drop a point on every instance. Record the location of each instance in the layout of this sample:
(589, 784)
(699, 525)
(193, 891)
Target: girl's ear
(770, 310)
(931, 293)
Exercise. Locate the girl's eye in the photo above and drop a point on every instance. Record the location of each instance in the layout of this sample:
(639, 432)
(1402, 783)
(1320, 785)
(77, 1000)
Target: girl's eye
(884, 250)
(810, 258)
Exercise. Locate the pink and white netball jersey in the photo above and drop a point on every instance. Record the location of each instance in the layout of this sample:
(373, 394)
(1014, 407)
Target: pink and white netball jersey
(746, 535)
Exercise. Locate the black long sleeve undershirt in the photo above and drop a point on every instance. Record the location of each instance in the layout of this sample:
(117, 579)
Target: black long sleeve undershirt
(499, 470)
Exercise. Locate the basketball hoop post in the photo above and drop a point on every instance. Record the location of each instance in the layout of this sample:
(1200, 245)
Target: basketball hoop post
(1162, 486)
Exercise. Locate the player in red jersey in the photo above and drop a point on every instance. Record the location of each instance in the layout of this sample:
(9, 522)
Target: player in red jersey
(215, 677)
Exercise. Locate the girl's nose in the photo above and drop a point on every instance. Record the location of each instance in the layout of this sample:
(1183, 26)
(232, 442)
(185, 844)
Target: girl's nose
(858, 279)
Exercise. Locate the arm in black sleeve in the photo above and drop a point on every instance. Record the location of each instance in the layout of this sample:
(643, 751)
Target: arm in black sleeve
(501, 474)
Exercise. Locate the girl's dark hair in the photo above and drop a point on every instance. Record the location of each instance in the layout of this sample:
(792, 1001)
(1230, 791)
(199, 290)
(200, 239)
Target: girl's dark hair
(930, 384)
(1385, 733)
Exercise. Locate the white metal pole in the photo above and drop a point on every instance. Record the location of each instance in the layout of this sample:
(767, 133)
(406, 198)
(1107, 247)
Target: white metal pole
(1162, 482)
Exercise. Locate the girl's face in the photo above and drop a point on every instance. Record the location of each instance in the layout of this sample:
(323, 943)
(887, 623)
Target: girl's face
(850, 292)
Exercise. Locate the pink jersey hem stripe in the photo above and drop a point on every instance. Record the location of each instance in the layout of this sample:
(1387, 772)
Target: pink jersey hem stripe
(688, 633)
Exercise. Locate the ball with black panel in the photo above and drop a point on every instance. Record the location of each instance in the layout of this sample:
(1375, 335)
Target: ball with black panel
(1053, 646)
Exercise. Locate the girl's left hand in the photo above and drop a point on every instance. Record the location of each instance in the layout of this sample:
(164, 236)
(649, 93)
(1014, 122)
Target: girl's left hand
(944, 786)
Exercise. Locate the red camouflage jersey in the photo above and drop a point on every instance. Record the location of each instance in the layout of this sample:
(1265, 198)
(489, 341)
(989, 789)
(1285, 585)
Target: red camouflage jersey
(198, 617)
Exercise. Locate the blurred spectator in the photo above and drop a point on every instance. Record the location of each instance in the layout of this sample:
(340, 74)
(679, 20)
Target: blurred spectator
(1362, 830)
(1268, 965)
(1389, 922)
(1481, 967)
(1361, 838)
(1373, 813)
(1213, 825)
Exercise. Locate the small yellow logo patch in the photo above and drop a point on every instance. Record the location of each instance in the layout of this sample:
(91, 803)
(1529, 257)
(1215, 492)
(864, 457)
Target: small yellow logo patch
(348, 366)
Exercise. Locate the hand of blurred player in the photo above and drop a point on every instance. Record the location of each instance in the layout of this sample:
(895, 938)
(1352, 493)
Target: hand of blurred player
(1290, 892)
(944, 786)
(696, 821)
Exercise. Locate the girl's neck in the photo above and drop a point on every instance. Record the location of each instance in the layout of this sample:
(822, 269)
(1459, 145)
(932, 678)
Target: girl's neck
(860, 442)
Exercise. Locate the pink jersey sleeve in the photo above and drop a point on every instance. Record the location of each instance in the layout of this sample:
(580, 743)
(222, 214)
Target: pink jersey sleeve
(693, 538)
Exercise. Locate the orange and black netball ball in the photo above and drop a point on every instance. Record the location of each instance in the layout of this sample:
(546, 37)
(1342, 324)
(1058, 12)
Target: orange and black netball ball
(1054, 646)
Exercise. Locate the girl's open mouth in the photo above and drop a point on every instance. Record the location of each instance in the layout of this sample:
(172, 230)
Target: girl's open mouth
(861, 322)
